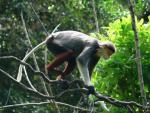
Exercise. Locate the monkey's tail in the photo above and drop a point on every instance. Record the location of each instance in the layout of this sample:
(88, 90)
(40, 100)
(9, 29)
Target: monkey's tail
(19, 76)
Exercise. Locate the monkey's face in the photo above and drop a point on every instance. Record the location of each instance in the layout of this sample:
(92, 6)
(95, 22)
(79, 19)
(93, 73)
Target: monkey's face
(106, 53)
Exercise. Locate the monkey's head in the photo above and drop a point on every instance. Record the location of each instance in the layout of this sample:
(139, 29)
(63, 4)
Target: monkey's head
(106, 49)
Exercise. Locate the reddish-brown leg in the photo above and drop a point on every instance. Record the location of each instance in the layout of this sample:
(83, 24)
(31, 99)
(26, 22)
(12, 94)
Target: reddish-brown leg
(71, 63)
(59, 59)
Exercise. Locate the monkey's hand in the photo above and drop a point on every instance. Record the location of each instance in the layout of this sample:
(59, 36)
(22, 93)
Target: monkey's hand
(91, 89)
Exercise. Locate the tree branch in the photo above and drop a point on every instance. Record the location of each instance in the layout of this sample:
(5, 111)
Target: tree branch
(43, 103)
(119, 103)
(126, 104)
(30, 67)
(138, 53)
(25, 87)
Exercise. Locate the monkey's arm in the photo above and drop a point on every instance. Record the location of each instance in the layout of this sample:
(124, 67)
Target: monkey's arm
(94, 60)
(82, 63)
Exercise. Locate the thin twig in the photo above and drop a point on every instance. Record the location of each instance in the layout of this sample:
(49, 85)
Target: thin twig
(39, 19)
(25, 87)
(9, 92)
(49, 86)
(34, 58)
(43, 103)
(30, 67)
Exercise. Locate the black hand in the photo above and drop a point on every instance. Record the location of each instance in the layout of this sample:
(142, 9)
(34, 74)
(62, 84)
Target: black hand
(91, 89)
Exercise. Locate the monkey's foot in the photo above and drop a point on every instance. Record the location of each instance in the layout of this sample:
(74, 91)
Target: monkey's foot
(59, 77)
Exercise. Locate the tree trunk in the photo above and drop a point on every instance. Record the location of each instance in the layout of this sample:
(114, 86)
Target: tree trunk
(138, 55)
(95, 16)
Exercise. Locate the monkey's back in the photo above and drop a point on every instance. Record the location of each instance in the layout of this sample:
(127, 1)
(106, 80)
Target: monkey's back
(69, 41)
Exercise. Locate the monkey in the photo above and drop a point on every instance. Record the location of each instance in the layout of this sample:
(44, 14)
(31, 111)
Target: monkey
(78, 50)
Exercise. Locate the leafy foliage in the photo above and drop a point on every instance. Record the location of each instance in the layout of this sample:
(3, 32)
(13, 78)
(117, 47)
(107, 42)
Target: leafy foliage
(120, 71)
(118, 76)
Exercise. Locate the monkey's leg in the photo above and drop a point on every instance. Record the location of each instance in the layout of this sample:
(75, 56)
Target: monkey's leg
(59, 59)
(71, 63)
(70, 66)
(68, 69)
